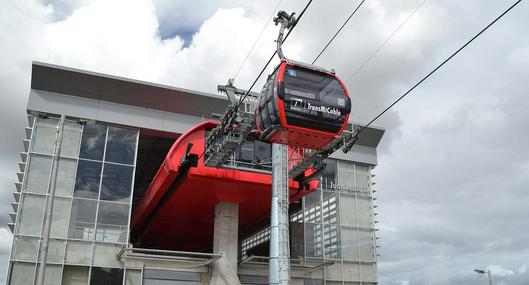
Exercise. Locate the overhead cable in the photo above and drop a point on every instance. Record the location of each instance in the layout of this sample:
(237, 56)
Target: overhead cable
(439, 66)
(266, 65)
(368, 59)
(273, 55)
(339, 30)
(257, 39)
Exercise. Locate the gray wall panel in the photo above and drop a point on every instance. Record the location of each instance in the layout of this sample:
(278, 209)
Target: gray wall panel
(168, 277)
(359, 153)
(131, 115)
(55, 103)
(168, 282)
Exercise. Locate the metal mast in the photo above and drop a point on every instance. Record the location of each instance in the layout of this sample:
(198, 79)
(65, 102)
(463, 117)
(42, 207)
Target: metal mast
(279, 265)
(43, 250)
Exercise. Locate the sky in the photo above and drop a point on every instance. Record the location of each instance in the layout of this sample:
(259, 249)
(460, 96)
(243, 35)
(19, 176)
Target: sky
(453, 166)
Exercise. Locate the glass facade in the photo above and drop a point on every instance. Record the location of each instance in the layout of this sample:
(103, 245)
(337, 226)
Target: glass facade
(91, 205)
(335, 224)
(92, 208)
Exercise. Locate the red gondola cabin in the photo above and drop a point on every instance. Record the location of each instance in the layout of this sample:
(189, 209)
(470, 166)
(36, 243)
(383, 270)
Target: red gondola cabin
(302, 106)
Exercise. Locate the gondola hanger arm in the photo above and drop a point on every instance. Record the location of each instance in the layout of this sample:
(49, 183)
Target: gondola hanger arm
(287, 22)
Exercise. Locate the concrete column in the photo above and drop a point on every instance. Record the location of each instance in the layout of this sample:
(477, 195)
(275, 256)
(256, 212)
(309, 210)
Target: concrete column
(225, 242)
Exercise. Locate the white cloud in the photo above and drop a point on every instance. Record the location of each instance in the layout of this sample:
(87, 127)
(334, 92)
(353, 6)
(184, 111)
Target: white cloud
(5, 240)
(99, 36)
(459, 132)
(499, 270)
(107, 37)
(522, 269)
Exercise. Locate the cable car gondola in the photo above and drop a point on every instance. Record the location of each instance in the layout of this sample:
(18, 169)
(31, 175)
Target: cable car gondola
(301, 105)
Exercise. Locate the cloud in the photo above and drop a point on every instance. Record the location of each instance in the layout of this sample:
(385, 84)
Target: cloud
(130, 39)
(457, 200)
(522, 269)
(5, 240)
(454, 168)
(499, 270)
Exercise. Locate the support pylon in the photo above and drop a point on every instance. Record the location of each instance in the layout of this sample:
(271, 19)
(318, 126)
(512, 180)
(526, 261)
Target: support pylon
(279, 266)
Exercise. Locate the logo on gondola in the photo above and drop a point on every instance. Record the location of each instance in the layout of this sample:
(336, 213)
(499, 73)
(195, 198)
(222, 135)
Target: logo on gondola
(324, 109)
(291, 72)
(299, 104)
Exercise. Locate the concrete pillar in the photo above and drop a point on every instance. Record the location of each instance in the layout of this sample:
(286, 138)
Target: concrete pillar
(225, 242)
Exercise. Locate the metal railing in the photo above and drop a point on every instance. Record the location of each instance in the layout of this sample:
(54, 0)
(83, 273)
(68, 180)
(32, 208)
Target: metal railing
(305, 264)
(195, 259)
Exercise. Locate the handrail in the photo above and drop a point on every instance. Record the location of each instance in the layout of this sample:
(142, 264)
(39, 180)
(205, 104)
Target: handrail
(293, 262)
(174, 255)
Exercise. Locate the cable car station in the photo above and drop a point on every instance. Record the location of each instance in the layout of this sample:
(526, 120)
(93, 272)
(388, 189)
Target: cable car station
(272, 187)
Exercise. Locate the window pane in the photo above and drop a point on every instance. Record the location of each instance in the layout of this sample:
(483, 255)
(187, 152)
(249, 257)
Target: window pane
(316, 88)
(117, 182)
(246, 153)
(79, 252)
(66, 177)
(133, 277)
(334, 272)
(61, 217)
(93, 142)
(31, 215)
(331, 241)
(38, 173)
(349, 244)
(313, 240)
(26, 248)
(121, 146)
(44, 136)
(368, 272)
(22, 273)
(107, 255)
(82, 219)
(346, 174)
(297, 240)
(52, 275)
(364, 213)
(329, 174)
(366, 245)
(348, 210)
(312, 205)
(263, 151)
(112, 222)
(107, 276)
(329, 208)
(351, 271)
(75, 275)
(88, 178)
(362, 178)
(71, 139)
(56, 251)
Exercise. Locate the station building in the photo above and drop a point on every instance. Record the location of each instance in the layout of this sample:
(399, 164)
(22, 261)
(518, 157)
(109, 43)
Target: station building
(116, 136)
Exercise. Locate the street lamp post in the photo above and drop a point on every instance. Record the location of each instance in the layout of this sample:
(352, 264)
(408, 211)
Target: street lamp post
(483, 272)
